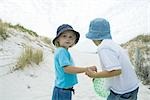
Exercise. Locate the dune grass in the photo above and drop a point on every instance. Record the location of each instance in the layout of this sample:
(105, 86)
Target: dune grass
(29, 56)
(5, 25)
(48, 41)
(139, 53)
(3, 31)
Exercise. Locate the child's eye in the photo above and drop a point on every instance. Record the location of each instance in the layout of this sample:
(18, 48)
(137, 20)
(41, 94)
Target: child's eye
(64, 36)
(70, 37)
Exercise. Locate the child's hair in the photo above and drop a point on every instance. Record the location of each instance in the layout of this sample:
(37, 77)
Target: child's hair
(57, 44)
(61, 29)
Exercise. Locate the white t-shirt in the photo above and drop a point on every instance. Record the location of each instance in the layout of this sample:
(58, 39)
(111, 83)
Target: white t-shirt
(112, 56)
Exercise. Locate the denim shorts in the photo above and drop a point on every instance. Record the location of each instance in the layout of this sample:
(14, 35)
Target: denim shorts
(61, 94)
(127, 96)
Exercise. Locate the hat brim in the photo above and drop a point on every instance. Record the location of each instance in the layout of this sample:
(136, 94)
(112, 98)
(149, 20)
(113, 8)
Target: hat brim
(98, 36)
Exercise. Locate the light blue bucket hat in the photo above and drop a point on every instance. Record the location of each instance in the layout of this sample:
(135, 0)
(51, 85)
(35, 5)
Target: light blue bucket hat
(99, 29)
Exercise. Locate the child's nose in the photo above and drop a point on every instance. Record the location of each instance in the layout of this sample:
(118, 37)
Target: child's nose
(68, 38)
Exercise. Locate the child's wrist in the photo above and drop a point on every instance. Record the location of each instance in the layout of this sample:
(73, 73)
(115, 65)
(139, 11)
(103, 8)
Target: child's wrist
(86, 68)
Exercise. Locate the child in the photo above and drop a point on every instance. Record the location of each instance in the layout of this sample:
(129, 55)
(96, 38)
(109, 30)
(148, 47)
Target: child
(116, 66)
(65, 70)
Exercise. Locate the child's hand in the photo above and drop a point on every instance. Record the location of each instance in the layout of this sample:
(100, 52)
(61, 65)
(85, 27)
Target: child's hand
(90, 73)
(93, 68)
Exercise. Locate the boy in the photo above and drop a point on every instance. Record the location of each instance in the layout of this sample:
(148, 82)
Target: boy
(116, 66)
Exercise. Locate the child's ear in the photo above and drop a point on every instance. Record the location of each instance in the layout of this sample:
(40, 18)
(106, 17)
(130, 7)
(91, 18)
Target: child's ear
(57, 43)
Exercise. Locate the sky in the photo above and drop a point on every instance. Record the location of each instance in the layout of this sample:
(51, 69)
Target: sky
(127, 18)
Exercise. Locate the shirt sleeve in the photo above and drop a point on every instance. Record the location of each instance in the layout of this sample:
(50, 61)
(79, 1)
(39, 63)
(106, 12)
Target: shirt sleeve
(109, 59)
(64, 58)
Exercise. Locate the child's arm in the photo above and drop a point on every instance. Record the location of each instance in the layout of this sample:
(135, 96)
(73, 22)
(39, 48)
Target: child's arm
(103, 74)
(74, 69)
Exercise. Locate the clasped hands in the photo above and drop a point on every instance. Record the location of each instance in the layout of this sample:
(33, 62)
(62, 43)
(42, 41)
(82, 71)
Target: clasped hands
(90, 72)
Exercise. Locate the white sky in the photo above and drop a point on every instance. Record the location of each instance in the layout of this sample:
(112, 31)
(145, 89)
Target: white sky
(128, 18)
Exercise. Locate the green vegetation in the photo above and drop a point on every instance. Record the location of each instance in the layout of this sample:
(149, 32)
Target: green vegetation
(3, 30)
(49, 42)
(4, 26)
(22, 29)
(141, 38)
(29, 56)
(37, 56)
(46, 40)
(144, 38)
(139, 52)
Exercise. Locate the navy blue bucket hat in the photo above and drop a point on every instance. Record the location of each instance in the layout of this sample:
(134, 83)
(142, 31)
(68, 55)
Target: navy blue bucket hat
(65, 27)
(99, 29)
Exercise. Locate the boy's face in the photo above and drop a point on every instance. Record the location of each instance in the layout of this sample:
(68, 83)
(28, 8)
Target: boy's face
(97, 42)
(67, 39)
